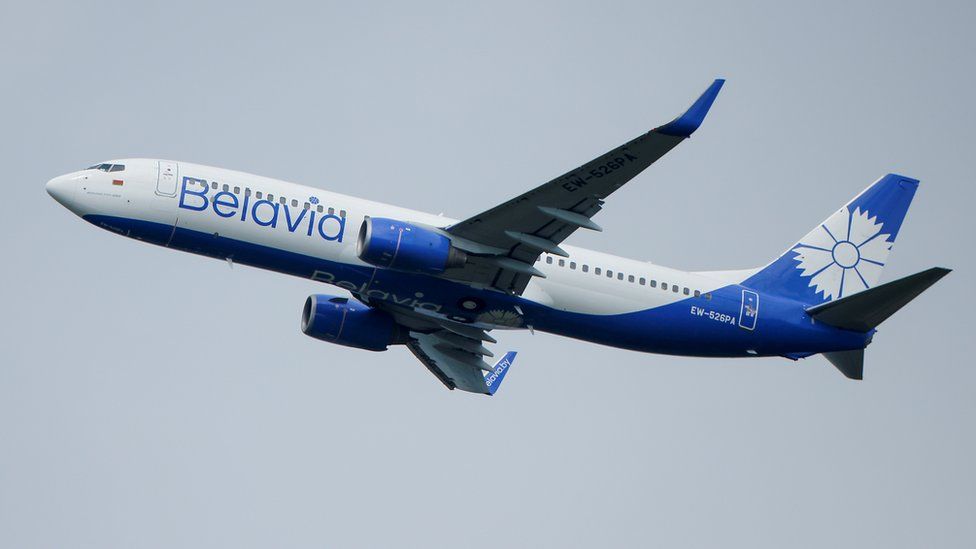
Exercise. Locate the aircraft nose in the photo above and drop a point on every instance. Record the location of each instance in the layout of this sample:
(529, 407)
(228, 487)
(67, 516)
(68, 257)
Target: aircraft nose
(61, 189)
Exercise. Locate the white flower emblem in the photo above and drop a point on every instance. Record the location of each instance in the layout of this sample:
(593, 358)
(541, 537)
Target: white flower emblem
(844, 255)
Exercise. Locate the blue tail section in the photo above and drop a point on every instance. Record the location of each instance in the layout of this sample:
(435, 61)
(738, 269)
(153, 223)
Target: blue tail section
(493, 379)
(846, 253)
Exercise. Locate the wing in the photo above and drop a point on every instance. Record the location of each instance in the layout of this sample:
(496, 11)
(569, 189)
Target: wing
(452, 351)
(456, 367)
(505, 241)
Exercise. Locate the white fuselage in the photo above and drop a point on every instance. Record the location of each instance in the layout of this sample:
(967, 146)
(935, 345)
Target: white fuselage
(571, 284)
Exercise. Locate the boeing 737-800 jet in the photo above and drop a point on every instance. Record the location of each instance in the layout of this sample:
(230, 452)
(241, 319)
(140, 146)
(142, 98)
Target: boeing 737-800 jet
(439, 286)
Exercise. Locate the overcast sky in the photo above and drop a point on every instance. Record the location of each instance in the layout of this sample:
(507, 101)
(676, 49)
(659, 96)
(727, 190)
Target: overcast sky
(150, 398)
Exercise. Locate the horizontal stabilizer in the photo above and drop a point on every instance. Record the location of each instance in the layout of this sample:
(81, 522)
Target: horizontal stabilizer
(864, 311)
(850, 363)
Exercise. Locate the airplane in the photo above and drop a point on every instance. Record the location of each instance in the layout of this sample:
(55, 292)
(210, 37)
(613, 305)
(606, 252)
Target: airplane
(438, 286)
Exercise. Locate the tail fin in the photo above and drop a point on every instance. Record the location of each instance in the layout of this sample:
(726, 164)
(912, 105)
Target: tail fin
(846, 253)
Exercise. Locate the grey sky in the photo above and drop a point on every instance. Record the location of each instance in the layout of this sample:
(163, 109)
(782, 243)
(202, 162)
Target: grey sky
(150, 398)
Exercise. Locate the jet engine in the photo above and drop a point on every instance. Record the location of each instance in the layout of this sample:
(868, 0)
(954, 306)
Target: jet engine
(347, 322)
(403, 246)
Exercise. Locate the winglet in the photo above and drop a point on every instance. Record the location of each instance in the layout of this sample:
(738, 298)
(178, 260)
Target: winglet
(687, 123)
(493, 379)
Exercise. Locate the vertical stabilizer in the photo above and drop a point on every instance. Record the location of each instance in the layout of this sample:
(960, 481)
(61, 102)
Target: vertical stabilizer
(846, 253)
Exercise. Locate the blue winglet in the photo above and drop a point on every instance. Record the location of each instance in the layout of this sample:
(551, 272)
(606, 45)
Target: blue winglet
(687, 123)
(493, 379)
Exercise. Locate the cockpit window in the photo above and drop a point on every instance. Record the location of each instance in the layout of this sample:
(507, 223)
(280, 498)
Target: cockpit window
(108, 167)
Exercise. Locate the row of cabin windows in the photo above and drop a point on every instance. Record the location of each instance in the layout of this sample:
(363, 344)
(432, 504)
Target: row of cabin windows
(629, 278)
(271, 198)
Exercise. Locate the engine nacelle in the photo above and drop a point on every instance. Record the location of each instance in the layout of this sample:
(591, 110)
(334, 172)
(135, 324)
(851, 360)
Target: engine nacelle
(404, 246)
(348, 322)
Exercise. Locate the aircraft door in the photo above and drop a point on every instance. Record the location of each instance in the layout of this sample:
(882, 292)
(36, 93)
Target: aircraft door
(749, 310)
(167, 178)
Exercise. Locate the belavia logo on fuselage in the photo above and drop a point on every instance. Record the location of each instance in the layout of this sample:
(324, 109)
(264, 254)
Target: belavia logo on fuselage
(264, 213)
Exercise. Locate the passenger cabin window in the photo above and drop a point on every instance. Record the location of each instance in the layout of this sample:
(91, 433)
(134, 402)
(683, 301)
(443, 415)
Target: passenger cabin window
(549, 260)
(586, 268)
(342, 213)
(237, 190)
(226, 187)
(319, 208)
(654, 284)
(674, 288)
(609, 273)
(664, 286)
(307, 206)
(642, 281)
(686, 291)
(572, 265)
(697, 293)
(283, 201)
(331, 211)
(214, 185)
(270, 197)
(620, 276)
(562, 262)
(596, 270)
(294, 203)
(630, 278)
(259, 194)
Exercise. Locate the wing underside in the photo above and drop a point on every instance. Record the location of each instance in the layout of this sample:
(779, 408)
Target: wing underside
(455, 367)
(455, 353)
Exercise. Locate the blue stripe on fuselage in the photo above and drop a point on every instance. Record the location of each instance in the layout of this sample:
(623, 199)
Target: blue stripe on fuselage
(694, 326)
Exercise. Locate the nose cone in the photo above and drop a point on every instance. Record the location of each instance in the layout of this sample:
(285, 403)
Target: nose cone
(66, 190)
(62, 189)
